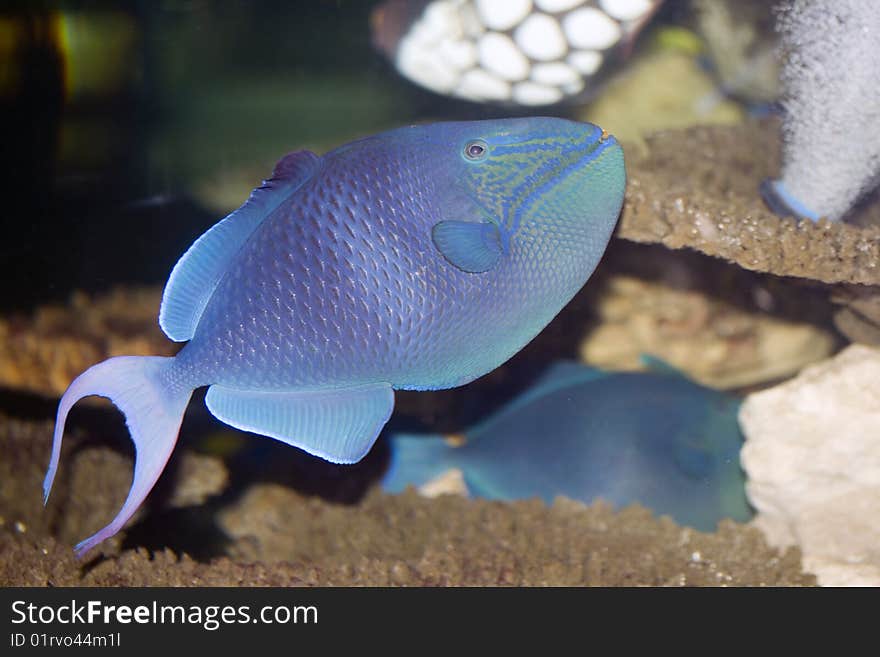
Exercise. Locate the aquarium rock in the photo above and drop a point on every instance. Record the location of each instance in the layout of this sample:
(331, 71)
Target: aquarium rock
(199, 477)
(98, 474)
(697, 188)
(43, 352)
(741, 44)
(812, 456)
(700, 331)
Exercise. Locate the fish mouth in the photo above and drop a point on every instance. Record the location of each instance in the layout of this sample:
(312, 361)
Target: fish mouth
(600, 141)
(581, 174)
(593, 147)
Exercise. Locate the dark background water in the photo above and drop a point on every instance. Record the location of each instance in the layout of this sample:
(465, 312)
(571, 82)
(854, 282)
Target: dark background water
(113, 113)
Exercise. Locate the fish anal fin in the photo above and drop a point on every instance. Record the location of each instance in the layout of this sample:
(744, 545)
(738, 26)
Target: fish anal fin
(339, 425)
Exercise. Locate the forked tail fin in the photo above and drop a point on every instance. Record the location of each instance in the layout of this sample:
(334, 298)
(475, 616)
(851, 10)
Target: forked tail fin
(153, 413)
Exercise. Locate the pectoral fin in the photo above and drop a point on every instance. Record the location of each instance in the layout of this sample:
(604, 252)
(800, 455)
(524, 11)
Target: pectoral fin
(337, 425)
(474, 247)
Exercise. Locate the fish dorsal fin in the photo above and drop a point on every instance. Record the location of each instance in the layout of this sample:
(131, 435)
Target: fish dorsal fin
(196, 274)
(472, 246)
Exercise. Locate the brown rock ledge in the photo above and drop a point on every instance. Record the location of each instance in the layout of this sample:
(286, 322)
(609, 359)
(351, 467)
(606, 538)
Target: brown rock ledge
(698, 188)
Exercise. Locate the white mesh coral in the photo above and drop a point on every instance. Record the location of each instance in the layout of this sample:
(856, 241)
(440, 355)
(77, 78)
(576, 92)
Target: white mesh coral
(831, 80)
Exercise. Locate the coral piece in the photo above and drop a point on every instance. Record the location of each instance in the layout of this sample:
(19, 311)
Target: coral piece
(200, 476)
(741, 45)
(714, 341)
(831, 81)
(813, 461)
(697, 188)
(43, 353)
(858, 317)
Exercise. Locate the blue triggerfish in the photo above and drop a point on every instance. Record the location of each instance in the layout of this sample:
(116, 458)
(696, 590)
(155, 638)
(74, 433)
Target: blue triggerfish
(420, 258)
(653, 438)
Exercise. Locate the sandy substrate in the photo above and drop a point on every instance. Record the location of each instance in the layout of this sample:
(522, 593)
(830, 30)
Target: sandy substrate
(276, 535)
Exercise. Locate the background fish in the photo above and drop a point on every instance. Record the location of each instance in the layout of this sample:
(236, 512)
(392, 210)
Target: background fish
(420, 258)
(508, 51)
(653, 438)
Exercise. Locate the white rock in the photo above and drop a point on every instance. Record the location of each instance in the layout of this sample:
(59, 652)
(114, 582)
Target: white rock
(586, 61)
(573, 88)
(423, 65)
(532, 93)
(450, 482)
(502, 14)
(590, 29)
(555, 73)
(541, 38)
(812, 455)
(479, 85)
(499, 55)
(557, 5)
(460, 54)
(441, 20)
(472, 25)
(626, 10)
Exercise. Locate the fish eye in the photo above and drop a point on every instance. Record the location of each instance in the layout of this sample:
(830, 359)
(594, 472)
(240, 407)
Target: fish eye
(476, 149)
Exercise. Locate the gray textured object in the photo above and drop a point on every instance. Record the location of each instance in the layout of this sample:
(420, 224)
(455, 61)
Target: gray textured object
(831, 82)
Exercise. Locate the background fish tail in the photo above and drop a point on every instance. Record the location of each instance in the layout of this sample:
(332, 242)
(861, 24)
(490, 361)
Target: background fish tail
(140, 387)
(417, 459)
